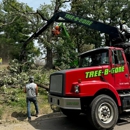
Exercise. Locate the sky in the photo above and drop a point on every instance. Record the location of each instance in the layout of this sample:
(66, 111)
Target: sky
(35, 3)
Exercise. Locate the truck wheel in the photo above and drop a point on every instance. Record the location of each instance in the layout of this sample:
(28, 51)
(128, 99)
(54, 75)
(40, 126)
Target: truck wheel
(70, 113)
(103, 112)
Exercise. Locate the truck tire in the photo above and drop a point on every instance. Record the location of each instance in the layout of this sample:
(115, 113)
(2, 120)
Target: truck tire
(103, 112)
(70, 113)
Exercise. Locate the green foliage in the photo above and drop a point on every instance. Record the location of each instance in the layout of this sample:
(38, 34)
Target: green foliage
(16, 30)
(43, 76)
(67, 59)
(109, 12)
(12, 77)
(18, 21)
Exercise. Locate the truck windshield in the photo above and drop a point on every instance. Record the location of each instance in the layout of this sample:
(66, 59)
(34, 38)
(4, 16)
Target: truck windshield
(94, 58)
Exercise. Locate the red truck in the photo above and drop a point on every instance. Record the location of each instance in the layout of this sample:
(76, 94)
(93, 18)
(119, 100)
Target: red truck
(100, 87)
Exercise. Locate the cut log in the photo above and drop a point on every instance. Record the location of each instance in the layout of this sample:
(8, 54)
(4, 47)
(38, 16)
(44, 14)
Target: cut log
(43, 86)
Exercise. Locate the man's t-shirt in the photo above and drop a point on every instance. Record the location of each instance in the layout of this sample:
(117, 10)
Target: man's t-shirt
(126, 28)
(31, 90)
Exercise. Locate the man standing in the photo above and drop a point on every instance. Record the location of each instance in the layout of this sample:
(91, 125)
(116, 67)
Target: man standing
(125, 29)
(31, 90)
(0, 60)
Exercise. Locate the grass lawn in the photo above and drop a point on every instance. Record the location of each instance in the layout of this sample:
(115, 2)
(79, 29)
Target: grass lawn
(13, 104)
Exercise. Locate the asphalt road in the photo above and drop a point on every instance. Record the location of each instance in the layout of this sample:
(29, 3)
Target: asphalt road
(60, 122)
(63, 123)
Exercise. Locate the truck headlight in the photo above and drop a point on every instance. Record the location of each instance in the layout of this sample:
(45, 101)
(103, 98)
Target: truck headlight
(76, 88)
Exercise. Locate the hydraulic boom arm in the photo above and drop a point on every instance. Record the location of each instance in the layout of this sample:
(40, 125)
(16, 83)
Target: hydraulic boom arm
(70, 18)
(114, 34)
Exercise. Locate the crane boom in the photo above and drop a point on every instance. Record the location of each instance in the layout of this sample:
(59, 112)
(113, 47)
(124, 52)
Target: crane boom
(114, 34)
(70, 18)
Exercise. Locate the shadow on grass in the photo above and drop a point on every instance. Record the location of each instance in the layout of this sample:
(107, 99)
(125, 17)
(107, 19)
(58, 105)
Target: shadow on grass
(19, 116)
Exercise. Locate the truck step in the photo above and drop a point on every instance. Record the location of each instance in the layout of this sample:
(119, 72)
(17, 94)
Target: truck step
(127, 110)
(125, 95)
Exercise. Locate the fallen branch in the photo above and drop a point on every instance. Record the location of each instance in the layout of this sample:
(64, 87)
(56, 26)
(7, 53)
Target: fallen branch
(43, 86)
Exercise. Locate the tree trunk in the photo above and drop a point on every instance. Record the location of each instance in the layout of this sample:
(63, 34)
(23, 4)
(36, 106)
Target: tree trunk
(5, 53)
(49, 62)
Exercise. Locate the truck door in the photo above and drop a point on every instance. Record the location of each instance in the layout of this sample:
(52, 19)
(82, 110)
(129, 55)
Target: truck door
(120, 70)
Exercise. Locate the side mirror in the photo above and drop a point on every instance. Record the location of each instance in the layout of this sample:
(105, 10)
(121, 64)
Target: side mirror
(128, 66)
(122, 62)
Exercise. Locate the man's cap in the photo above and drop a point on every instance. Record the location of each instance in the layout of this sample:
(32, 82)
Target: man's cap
(31, 77)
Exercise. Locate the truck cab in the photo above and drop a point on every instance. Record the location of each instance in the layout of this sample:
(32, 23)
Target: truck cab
(113, 64)
(100, 87)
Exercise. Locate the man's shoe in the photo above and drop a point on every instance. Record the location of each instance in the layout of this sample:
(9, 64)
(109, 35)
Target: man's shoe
(36, 115)
(29, 119)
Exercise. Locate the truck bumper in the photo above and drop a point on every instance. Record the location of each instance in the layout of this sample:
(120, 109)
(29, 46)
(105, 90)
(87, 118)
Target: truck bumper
(66, 103)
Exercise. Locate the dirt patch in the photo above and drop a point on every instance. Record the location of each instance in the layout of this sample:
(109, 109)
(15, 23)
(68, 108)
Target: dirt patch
(10, 116)
(25, 125)
(3, 66)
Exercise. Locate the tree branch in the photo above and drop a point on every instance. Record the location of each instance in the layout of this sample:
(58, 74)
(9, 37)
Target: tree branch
(66, 1)
(23, 13)
(43, 86)
(1, 24)
(43, 18)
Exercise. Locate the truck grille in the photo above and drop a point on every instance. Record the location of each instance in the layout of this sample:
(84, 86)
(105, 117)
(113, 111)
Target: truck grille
(56, 84)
